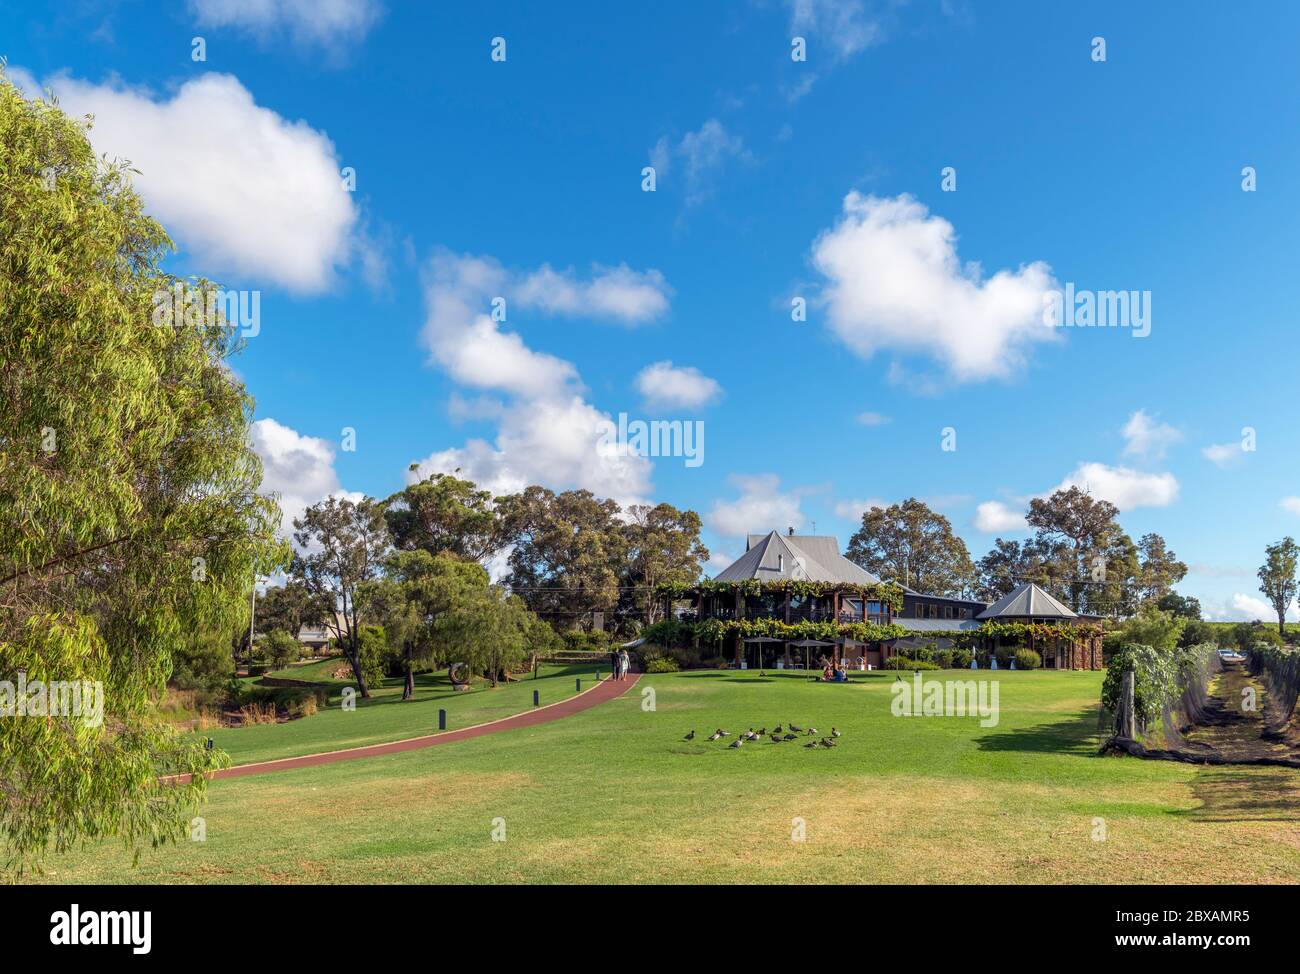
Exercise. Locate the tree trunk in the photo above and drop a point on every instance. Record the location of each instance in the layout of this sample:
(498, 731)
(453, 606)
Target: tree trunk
(408, 691)
(353, 655)
(1281, 624)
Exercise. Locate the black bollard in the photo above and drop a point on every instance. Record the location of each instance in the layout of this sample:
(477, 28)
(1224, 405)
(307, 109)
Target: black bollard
(442, 720)
(577, 684)
(536, 698)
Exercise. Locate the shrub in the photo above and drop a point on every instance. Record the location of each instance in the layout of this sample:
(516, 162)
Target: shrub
(1028, 659)
(581, 641)
(961, 658)
(663, 664)
(281, 648)
(903, 663)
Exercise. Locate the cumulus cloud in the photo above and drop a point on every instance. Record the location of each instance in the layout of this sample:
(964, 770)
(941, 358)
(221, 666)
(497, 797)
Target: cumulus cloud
(298, 468)
(893, 281)
(703, 154)
(241, 189)
(551, 442)
(547, 433)
(762, 506)
(1290, 504)
(1144, 437)
(676, 387)
(996, 517)
(1122, 486)
(872, 419)
(323, 22)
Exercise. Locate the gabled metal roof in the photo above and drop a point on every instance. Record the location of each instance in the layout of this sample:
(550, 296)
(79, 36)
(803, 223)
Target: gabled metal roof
(1027, 601)
(814, 558)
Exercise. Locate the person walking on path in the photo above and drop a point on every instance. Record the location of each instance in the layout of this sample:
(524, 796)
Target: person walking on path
(623, 664)
(613, 664)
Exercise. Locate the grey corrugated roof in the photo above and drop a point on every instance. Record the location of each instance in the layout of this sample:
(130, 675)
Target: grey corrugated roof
(1027, 601)
(937, 625)
(774, 556)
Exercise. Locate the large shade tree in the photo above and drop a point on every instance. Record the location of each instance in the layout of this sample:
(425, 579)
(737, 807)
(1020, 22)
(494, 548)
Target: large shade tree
(663, 546)
(912, 544)
(443, 513)
(132, 513)
(1088, 526)
(569, 552)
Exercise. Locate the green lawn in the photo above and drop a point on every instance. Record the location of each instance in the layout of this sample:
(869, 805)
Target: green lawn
(385, 717)
(613, 794)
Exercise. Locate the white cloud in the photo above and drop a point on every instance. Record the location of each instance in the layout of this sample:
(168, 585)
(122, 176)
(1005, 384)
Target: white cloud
(872, 419)
(551, 442)
(673, 386)
(852, 510)
(761, 507)
(547, 433)
(1122, 486)
(300, 469)
(703, 153)
(1248, 608)
(894, 281)
(621, 293)
(241, 189)
(323, 22)
(996, 517)
(1144, 437)
(847, 26)
(1223, 454)
(717, 562)
(1290, 504)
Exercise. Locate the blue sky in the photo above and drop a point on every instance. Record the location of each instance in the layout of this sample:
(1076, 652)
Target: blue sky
(522, 178)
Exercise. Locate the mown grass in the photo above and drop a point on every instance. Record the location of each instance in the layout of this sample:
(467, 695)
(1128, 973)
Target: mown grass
(385, 716)
(614, 795)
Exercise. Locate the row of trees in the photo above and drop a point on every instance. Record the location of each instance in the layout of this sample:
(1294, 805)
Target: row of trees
(1078, 552)
(415, 565)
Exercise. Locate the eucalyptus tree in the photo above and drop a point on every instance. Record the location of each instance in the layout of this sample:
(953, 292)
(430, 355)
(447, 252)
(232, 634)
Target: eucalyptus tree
(130, 491)
(912, 544)
(341, 545)
(1277, 578)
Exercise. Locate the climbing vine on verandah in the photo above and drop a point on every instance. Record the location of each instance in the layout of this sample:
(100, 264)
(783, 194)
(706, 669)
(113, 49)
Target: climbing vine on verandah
(881, 592)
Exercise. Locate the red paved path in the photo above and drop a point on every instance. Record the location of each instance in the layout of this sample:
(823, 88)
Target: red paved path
(605, 690)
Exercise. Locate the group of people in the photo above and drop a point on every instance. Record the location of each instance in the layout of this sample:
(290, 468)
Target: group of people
(833, 672)
(619, 662)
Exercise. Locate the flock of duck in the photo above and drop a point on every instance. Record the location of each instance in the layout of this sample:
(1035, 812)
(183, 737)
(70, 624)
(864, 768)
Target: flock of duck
(779, 735)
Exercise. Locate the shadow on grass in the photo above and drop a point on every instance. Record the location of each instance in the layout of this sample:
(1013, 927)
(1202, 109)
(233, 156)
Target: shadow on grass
(1075, 735)
(1245, 795)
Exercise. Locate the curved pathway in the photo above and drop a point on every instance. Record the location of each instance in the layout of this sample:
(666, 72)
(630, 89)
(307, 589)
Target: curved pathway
(604, 690)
